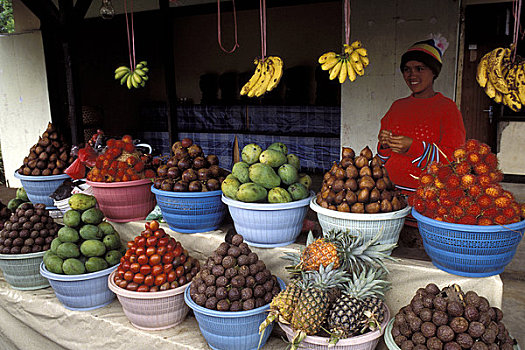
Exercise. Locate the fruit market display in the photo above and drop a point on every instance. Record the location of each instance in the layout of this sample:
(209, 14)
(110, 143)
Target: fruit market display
(154, 261)
(466, 190)
(29, 229)
(269, 176)
(336, 290)
(12, 205)
(5, 214)
(189, 170)
(49, 156)
(267, 75)
(450, 319)
(133, 78)
(359, 184)
(86, 243)
(234, 279)
(121, 161)
(351, 63)
(502, 79)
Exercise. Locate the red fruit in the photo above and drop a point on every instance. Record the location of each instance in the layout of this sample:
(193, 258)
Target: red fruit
(500, 220)
(433, 168)
(444, 172)
(483, 149)
(419, 205)
(449, 218)
(139, 167)
(509, 212)
(457, 211)
(481, 168)
(149, 173)
(491, 212)
(426, 179)
(411, 199)
(468, 220)
(129, 147)
(474, 210)
(420, 192)
(438, 183)
(462, 168)
(430, 193)
(459, 154)
(455, 194)
(522, 210)
(446, 202)
(485, 221)
(474, 191)
(468, 180)
(472, 145)
(127, 139)
(514, 220)
(494, 190)
(496, 176)
(453, 181)
(442, 211)
(432, 205)
(473, 158)
(509, 195)
(502, 202)
(465, 202)
(484, 201)
(110, 143)
(492, 161)
(438, 218)
(484, 180)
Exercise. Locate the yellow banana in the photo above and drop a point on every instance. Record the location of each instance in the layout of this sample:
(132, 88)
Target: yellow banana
(329, 63)
(362, 51)
(139, 66)
(481, 71)
(334, 72)
(512, 101)
(256, 75)
(364, 61)
(263, 85)
(355, 60)
(145, 69)
(140, 72)
(120, 74)
(124, 78)
(494, 70)
(498, 98)
(122, 68)
(277, 64)
(136, 78)
(256, 86)
(348, 49)
(490, 90)
(520, 82)
(356, 44)
(129, 83)
(342, 72)
(322, 59)
(133, 81)
(350, 71)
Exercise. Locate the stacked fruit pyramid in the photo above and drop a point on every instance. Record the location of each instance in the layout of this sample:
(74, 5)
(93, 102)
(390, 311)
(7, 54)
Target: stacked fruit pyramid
(450, 319)
(87, 243)
(336, 290)
(466, 190)
(269, 176)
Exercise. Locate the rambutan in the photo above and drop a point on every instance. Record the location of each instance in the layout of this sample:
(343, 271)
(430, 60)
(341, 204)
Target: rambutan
(502, 202)
(514, 220)
(474, 210)
(490, 212)
(491, 160)
(496, 176)
(447, 202)
(501, 220)
(462, 168)
(449, 218)
(472, 145)
(509, 212)
(426, 179)
(465, 202)
(453, 181)
(438, 183)
(485, 221)
(522, 210)
(455, 194)
(459, 154)
(509, 195)
(430, 193)
(456, 211)
(483, 149)
(468, 220)
(473, 158)
(432, 205)
(494, 190)
(468, 180)
(420, 192)
(442, 211)
(481, 168)
(419, 205)
(484, 201)
(443, 173)
(433, 168)
(475, 191)
(484, 180)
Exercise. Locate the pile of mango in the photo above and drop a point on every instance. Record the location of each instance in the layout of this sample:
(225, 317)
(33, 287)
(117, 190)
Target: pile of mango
(86, 243)
(267, 176)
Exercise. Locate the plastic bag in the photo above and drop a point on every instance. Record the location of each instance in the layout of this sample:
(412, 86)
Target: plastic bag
(76, 170)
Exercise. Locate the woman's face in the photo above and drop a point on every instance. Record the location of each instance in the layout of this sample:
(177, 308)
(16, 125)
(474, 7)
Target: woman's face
(419, 78)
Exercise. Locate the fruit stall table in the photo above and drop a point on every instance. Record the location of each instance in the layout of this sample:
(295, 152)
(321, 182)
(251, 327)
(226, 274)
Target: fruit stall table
(36, 319)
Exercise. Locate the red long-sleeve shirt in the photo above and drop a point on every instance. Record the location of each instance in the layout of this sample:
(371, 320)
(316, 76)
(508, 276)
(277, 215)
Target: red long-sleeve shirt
(430, 122)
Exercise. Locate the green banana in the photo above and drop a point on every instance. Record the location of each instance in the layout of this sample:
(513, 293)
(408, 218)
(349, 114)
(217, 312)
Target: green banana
(136, 78)
(124, 78)
(121, 69)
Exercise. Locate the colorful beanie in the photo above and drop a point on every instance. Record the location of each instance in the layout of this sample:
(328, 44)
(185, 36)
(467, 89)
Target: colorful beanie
(429, 52)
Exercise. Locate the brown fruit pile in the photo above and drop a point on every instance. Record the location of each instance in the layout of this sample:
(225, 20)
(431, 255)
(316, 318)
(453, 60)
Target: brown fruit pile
(467, 190)
(189, 170)
(49, 156)
(234, 279)
(449, 319)
(5, 213)
(359, 185)
(30, 229)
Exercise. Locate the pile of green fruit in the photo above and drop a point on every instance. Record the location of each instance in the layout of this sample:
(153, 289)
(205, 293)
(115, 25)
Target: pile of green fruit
(87, 243)
(269, 176)
(20, 198)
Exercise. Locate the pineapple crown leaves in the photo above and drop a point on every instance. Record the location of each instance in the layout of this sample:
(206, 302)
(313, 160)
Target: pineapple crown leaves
(369, 282)
(324, 278)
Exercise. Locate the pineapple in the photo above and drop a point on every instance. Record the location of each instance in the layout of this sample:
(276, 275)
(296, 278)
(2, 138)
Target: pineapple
(323, 251)
(313, 304)
(360, 307)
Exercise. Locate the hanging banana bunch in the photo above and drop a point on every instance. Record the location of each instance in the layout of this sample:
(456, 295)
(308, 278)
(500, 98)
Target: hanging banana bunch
(133, 78)
(267, 75)
(351, 63)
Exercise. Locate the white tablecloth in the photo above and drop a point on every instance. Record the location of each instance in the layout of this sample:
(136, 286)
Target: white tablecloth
(36, 319)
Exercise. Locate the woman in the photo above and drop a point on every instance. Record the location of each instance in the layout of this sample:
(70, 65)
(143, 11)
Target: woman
(417, 130)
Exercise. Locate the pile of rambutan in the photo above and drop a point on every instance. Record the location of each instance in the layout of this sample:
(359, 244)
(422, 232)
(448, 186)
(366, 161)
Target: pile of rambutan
(466, 189)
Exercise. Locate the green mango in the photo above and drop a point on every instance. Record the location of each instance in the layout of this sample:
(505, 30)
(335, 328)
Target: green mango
(288, 174)
(14, 203)
(113, 257)
(240, 171)
(95, 263)
(54, 264)
(72, 218)
(298, 191)
(54, 244)
(21, 194)
(306, 180)
(93, 216)
(92, 247)
(229, 186)
(279, 195)
(294, 160)
(68, 250)
(251, 192)
(73, 266)
(273, 158)
(111, 242)
(91, 232)
(81, 201)
(106, 228)
(250, 153)
(68, 234)
(263, 174)
(279, 146)
(47, 255)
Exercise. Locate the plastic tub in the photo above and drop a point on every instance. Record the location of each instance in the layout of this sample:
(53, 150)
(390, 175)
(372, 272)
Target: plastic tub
(151, 311)
(367, 341)
(22, 271)
(231, 330)
(81, 292)
(124, 201)
(368, 224)
(469, 250)
(38, 188)
(191, 212)
(268, 225)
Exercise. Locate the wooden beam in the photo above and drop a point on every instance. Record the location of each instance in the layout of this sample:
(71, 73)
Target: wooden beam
(45, 10)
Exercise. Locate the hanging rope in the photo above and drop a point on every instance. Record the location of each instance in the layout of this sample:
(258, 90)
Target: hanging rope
(347, 21)
(262, 20)
(236, 45)
(516, 12)
(131, 38)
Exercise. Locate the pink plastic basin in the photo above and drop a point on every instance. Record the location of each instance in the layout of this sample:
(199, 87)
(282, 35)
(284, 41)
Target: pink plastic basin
(124, 201)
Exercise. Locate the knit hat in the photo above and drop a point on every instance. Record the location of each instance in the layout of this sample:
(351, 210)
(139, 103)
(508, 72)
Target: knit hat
(429, 52)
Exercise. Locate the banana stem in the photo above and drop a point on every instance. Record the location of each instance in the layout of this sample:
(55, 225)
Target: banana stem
(347, 21)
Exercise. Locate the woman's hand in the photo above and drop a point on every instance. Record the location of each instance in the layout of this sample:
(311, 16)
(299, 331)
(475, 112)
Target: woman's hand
(384, 138)
(400, 143)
